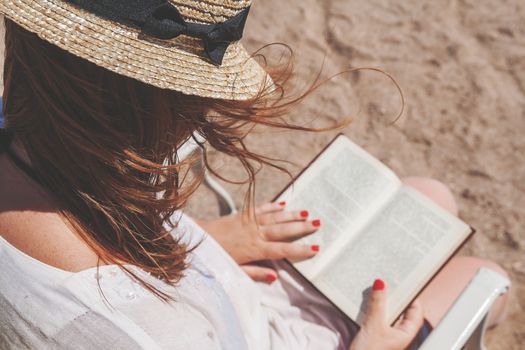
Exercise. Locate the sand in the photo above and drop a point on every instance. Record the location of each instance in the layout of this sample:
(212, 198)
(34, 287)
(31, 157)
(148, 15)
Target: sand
(461, 66)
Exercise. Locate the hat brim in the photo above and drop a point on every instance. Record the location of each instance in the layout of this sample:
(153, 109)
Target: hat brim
(178, 64)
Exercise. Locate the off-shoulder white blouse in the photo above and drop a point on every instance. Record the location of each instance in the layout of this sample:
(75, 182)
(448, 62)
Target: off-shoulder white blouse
(217, 306)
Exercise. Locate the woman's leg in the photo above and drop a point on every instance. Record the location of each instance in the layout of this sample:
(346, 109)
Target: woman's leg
(440, 294)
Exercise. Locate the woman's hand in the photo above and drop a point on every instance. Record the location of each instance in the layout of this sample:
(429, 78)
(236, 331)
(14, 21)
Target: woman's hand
(376, 334)
(268, 236)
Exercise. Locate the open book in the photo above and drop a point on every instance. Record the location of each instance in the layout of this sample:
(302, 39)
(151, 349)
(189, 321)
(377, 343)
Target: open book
(373, 226)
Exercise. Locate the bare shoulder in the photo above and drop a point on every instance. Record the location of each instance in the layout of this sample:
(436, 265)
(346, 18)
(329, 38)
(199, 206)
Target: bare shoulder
(32, 226)
(46, 238)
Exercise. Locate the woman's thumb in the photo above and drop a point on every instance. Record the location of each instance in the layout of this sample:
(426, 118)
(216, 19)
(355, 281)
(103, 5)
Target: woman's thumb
(376, 306)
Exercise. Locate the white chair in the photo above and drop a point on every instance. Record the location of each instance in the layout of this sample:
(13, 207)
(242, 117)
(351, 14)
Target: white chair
(195, 146)
(463, 326)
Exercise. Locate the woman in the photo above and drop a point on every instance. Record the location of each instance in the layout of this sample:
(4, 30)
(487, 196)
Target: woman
(91, 191)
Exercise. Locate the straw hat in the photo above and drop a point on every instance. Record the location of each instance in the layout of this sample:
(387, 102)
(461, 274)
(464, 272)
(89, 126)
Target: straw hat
(186, 45)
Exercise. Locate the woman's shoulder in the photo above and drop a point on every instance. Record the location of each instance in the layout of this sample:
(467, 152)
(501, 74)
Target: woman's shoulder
(29, 224)
(44, 237)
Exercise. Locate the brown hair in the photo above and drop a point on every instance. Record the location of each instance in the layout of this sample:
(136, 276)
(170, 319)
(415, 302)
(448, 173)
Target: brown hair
(105, 146)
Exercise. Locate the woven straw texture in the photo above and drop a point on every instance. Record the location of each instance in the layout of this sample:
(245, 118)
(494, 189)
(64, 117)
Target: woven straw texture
(177, 64)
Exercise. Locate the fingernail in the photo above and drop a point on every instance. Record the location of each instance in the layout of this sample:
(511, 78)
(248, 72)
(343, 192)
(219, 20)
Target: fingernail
(316, 223)
(315, 247)
(378, 284)
(270, 278)
(304, 213)
(282, 204)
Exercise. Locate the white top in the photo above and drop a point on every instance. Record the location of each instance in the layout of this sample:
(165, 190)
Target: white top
(218, 306)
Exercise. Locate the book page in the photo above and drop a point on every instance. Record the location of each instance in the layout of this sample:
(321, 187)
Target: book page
(404, 244)
(341, 188)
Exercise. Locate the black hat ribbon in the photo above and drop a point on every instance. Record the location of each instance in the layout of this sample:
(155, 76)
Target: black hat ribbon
(162, 20)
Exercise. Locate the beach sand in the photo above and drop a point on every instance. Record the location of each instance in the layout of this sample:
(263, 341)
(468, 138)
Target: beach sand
(461, 65)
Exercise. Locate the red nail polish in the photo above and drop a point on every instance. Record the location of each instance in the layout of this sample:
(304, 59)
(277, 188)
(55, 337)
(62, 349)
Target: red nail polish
(282, 204)
(316, 223)
(378, 284)
(270, 278)
(315, 247)
(304, 213)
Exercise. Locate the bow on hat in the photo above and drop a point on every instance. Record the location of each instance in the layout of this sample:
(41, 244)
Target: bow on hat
(161, 19)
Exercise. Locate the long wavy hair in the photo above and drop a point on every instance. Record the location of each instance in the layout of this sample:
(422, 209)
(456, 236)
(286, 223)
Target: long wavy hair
(105, 147)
